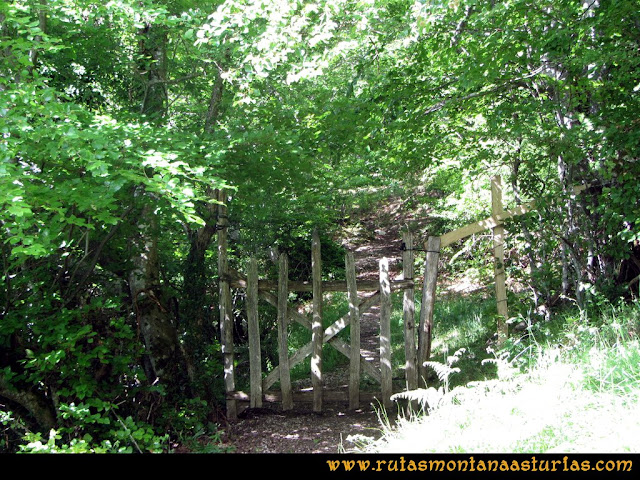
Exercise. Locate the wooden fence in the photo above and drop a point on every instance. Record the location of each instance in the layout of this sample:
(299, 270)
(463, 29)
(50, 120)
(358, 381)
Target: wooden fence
(433, 247)
(276, 293)
(415, 355)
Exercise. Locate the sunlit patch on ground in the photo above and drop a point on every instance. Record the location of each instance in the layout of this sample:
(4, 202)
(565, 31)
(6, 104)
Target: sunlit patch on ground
(547, 413)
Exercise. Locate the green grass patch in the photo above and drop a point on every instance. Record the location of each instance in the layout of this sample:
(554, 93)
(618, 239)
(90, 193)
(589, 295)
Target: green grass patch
(569, 385)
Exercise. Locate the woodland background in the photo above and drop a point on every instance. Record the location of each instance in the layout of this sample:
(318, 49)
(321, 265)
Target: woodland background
(120, 120)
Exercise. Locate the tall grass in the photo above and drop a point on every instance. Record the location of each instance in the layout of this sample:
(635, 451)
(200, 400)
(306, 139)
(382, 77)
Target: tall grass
(570, 385)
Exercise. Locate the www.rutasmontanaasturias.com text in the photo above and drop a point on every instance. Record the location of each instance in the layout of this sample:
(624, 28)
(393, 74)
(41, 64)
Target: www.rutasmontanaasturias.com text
(565, 464)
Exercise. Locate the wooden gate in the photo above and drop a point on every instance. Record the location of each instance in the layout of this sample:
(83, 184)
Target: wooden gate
(276, 293)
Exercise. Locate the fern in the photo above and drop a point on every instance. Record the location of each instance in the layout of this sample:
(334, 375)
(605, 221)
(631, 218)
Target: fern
(428, 398)
(431, 398)
(505, 368)
(442, 371)
(445, 370)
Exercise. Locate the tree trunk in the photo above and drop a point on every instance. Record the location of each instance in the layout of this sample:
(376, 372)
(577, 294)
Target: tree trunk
(153, 71)
(215, 101)
(167, 362)
(155, 320)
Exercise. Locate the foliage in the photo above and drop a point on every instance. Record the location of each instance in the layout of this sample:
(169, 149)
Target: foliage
(72, 182)
(119, 122)
(574, 394)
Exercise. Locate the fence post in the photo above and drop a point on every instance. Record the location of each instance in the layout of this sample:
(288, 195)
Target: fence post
(428, 302)
(385, 333)
(317, 331)
(354, 322)
(498, 253)
(408, 308)
(255, 360)
(283, 297)
(226, 320)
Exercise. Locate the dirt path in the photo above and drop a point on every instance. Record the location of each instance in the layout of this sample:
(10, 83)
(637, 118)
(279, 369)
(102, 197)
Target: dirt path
(336, 429)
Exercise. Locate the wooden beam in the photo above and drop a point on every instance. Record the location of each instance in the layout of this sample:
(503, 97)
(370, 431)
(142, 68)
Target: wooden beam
(274, 375)
(408, 311)
(365, 365)
(304, 351)
(283, 297)
(237, 280)
(329, 337)
(498, 252)
(305, 396)
(385, 334)
(428, 303)
(332, 329)
(225, 305)
(255, 360)
(293, 314)
(493, 221)
(354, 322)
(479, 226)
(317, 332)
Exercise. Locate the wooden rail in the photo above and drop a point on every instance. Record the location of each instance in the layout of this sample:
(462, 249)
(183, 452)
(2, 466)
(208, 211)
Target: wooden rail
(497, 218)
(237, 280)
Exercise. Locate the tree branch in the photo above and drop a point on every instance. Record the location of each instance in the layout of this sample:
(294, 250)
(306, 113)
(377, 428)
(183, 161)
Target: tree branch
(35, 404)
(157, 81)
(461, 25)
(495, 88)
(96, 257)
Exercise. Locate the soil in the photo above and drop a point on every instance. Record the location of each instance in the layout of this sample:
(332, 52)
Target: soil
(336, 429)
(302, 431)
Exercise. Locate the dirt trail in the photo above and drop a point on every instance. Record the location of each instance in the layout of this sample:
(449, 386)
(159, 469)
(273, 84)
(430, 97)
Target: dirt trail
(271, 430)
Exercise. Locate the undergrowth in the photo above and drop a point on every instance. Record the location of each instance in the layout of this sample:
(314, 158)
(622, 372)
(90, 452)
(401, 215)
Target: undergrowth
(568, 385)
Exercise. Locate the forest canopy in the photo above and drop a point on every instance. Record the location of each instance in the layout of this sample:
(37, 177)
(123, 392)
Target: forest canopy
(121, 122)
